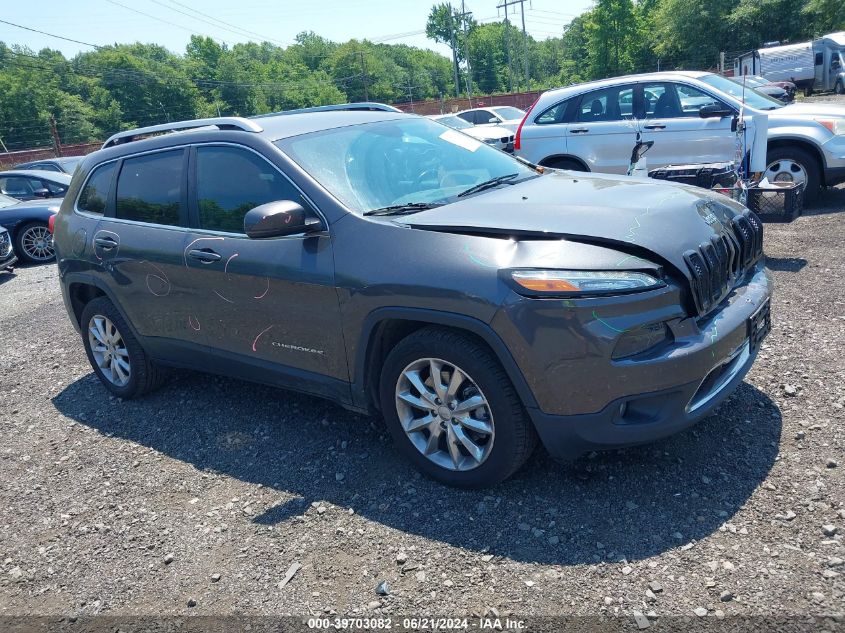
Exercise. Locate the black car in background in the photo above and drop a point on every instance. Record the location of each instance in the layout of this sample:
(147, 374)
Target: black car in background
(7, 253)
(27, 224)
(31, 184)
(64, 165)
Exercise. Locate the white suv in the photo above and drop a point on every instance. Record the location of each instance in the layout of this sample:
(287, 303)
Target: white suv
(689, 116)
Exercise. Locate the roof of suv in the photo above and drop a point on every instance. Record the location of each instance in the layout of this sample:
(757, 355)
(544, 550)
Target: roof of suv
(271, 127)
(612, 81)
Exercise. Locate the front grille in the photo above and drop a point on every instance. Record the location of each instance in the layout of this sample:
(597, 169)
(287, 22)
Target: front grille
(5, 245)
(716, 265)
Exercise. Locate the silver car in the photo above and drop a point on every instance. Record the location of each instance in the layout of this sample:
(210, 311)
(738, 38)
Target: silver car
(689, 116)
(496, 136)
(506, 116)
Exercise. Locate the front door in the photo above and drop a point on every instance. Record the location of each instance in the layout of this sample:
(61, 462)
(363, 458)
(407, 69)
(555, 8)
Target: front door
(258, 300)
(680, 135)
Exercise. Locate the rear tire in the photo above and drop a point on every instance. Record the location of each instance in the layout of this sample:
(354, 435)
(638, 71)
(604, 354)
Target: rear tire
(506, 438)
(781, 160)
(117, 358)
(839, 88)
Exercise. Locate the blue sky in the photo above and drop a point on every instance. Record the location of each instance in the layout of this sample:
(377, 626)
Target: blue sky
(171, 22)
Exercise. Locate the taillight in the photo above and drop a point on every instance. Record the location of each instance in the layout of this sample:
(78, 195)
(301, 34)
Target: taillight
(516, 145)
(51, 222)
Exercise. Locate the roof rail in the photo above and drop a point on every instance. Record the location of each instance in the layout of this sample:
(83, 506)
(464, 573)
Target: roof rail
(371, 106)
(223, 123)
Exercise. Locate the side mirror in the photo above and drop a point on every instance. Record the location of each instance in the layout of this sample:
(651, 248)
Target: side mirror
(493, 120)
(42, 193)
(278, 218)
(713, 111)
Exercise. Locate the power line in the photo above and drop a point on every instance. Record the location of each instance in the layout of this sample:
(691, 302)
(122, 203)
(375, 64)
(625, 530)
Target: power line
(231, 29)
(67, 39)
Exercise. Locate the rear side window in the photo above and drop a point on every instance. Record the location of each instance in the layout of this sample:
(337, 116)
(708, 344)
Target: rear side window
(231, 181)
(608, 104)
(149, 188)
(95, 193)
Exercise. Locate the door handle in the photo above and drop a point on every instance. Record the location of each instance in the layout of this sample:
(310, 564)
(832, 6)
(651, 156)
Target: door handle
(206, 256)
(654, 126)
(106, 243)
(580, 130)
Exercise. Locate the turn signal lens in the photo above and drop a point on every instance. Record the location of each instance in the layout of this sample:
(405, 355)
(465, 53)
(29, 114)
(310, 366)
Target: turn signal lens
(837, 126)
(583, 281)
(51, 222)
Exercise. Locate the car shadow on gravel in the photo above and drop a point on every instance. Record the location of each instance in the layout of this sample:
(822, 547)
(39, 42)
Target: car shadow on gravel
(631, 504)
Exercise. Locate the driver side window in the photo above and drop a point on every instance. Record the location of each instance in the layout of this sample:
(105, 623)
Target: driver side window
(231, 181)
(692, 100)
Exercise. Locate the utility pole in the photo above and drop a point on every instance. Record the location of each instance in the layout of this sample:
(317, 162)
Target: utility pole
(54, 132)
(507, 40)
(464, 15)
(410, 93)
(364, 77)
(454, 50)
(524, 43)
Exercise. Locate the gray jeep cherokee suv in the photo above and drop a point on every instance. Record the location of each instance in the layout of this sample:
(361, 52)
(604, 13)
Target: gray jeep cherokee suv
(399, 267)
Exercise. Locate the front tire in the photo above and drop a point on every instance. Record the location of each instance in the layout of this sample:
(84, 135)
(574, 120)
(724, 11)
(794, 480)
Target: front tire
(34, 243)
(565, 163)
(793, 164)
(117, 358)
(452, 410)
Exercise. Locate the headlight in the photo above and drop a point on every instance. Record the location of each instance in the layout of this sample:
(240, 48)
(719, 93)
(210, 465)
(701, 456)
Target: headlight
(837, 126)
(583, 282)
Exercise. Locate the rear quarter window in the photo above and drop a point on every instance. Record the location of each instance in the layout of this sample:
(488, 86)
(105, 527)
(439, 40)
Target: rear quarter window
(95, 194)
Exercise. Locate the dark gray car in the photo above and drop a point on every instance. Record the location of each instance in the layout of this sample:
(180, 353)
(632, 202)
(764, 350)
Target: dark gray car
(401, 268)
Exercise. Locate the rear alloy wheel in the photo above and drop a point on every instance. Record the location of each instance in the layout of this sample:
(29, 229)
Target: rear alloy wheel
(34, 243)
(452, 410)
(117, 358)
(788, 165)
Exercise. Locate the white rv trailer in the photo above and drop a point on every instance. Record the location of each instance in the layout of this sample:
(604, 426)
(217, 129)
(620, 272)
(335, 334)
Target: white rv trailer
(817, 65)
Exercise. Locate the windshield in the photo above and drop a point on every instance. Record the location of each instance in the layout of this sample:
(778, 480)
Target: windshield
(397, 162)
(6, 201)
(454, 121)
(734, 88)
(507, 112)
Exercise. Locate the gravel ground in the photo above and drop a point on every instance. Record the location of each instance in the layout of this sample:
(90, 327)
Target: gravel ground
(199, 498)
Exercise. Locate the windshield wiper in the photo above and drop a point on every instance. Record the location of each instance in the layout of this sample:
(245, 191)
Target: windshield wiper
(488, 184)
(402, 209)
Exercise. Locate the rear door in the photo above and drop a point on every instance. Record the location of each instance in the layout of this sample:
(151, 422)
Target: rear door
(680, 135)
(138, 243)
(601, 132)
(264, 300)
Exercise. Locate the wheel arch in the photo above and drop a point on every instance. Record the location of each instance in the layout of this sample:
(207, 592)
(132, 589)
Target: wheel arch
(548, 160)
(81, 289)
(385, 327)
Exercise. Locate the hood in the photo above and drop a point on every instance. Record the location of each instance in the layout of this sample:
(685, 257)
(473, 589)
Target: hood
(628, 214)
(48, 205)
(809, 109)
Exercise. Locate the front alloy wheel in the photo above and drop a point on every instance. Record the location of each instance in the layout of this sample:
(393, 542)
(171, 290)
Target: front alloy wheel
(109, 350)
(452, 410)
(444, 414)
